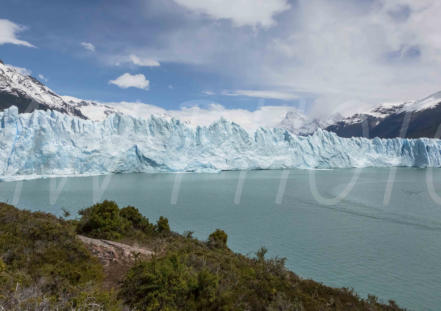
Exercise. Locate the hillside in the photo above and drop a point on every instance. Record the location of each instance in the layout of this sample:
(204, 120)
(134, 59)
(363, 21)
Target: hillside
(44, 265)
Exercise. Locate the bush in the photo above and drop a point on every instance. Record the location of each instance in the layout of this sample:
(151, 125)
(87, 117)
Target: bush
(169, 284)
(137, 220)
(41, 257)
(106, 221)
(218, 239)
(103, 221)
(162, 225)
(2, 266)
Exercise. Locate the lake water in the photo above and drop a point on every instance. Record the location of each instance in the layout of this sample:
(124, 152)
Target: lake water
(382, 235)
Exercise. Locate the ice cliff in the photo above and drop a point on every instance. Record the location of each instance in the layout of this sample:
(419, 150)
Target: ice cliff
(52, 143)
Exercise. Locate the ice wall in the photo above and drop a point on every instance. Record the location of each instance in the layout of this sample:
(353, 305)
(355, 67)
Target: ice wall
(52, 143)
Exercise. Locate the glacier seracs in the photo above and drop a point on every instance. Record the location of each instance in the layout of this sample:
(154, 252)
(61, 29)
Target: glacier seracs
(45, 143)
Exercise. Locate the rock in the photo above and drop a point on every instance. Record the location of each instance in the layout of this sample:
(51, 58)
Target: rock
(110, 252)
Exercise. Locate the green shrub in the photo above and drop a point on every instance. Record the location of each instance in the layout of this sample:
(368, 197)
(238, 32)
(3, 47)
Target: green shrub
(169, 284)
(103, 221)
(137, 220)
(218, 239)
(2, 266)
(106, 221)
(43, 256)
(260, 254)
(162, 225)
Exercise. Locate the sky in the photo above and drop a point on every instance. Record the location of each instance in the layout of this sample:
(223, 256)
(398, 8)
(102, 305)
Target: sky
(319, 56)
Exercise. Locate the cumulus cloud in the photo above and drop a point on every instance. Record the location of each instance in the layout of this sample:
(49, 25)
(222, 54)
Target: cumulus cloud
(143, 62)
(347, 53)
(9, 31)
(88, 46)
(264, 116)
(128, 80)
(240, 12)
(261, 94)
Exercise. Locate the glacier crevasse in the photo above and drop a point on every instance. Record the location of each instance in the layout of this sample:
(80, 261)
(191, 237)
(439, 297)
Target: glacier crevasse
(45, 143)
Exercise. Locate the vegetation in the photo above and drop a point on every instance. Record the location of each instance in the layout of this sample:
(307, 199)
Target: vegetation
(218, 239)
(162, 225)
(44, 266)
(106, 221)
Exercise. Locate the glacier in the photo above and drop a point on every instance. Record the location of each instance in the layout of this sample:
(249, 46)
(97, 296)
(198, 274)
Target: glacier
(49, 143)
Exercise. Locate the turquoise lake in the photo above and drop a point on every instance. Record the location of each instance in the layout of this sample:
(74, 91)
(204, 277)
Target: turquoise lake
(382, 235)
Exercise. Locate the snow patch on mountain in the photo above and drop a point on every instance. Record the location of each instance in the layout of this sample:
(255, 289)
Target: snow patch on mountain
(385, 110)
(13, 80)
(426, 103)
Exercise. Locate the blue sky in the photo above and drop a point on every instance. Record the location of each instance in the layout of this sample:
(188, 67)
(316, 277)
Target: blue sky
(321, 56)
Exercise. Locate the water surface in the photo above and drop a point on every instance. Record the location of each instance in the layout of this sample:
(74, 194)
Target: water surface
(386, 245)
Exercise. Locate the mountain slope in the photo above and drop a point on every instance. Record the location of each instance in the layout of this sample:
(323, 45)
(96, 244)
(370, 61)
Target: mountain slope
(19, 89)
(29, 94)
(413, 119)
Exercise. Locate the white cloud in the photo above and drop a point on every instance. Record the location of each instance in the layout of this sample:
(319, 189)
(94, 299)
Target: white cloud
(88, 46)
(262, 94)
(8, 33)
(241, 12)
(143, 62)
(127, 80)
(42, 77)
(265, 116)
(347, 54)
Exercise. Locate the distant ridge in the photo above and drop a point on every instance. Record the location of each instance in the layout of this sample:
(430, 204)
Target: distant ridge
(412, 119)
(423, 117)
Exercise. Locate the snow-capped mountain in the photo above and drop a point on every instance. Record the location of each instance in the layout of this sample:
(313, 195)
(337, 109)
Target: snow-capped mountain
(42, 133)
(90, 109)
(19, 89)
(45, 143)
(299, 124)
(295, 122)
(411, 119)
(384, 121)
(29, 94)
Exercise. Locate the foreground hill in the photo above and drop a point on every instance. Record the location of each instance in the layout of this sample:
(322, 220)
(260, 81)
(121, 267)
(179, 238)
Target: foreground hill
(45, 266)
